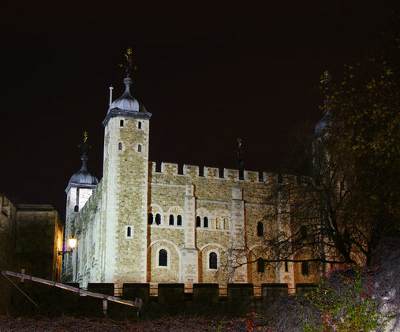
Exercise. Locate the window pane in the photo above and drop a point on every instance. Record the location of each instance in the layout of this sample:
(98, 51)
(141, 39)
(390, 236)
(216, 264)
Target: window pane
(162, 257)
(150, 220)
(205, 222)
(304, 268)
(171, 219)
(260, 229)
(260, 265)
(198, 221)
(158, 218)
(179, 220)
(213, 261)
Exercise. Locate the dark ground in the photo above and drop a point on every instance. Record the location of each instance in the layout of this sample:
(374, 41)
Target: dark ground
(176, 324)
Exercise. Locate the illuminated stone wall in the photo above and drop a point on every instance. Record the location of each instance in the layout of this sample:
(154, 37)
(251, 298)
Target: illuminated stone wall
(118, 244)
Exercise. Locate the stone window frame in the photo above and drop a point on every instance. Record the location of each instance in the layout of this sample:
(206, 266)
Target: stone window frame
(156, 209)
(126, 232)
(139, 148)
(204, 213)
(155, 218)
(158, 258)
(222, 223)
(208, 252)
(305, 268)
(198, 222)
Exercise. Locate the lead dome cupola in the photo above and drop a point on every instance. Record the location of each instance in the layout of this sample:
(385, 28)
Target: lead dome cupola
(83, 178)
(126, 102)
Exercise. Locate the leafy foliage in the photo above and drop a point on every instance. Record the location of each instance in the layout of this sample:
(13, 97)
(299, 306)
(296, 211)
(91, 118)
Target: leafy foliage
(345, 305)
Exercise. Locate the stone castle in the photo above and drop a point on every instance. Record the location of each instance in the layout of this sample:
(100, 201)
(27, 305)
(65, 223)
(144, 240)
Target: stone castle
(150, 223)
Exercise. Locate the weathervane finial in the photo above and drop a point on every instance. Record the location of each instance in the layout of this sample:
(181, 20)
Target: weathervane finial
(129, 67)
(85, 136)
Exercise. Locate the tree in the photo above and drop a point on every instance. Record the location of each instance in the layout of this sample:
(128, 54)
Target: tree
(350, 200)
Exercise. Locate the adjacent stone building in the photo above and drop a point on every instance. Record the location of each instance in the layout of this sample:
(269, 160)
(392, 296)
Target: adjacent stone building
(31, 238)
(145, 222)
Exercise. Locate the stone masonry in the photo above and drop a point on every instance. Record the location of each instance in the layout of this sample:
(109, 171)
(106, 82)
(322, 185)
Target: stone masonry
(153, 223)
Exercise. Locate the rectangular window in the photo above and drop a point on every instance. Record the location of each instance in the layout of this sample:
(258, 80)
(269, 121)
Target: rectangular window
(128, 231)
(139, 125)
(121, 123)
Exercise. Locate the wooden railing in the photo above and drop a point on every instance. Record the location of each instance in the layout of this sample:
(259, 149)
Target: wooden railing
(136, 304)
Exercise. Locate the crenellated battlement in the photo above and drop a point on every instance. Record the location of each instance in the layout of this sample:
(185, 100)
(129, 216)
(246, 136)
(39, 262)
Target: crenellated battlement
(208, 172)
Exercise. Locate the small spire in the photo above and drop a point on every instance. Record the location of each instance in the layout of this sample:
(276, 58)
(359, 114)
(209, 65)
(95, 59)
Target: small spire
(84, 147)
(129, 67)
(128, 83)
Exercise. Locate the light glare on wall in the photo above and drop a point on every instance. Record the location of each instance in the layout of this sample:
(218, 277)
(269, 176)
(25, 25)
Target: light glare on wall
(72, 243)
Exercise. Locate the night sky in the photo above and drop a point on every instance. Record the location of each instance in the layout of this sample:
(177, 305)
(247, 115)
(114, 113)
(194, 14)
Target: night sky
(208, 74)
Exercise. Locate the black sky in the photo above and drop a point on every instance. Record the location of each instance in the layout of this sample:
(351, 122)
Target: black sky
(208, 74)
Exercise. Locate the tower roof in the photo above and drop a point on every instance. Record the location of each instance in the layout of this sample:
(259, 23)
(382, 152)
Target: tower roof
(83, 178)
(126, 102)
(127, 105)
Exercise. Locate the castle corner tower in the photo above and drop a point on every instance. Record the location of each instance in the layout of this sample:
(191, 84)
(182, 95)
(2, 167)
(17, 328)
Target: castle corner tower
(125, 185)
(79, 189)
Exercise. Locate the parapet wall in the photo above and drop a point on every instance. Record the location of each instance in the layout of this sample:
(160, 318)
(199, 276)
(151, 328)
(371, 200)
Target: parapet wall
(195, 172)
(92, 203)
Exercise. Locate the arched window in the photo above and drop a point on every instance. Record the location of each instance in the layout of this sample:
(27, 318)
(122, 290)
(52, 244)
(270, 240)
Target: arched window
(179, 220)
(162, 258)
(128, 231)
(139, 148)
(304, 268)
(76, 208)
(260, 229)
(139, 125)
(260, 265)
(119, 146)
(303, 231)
(213, 261)
(198, 221)
(158, 218)
(171, 219)
(150, 219)
(205, 220)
